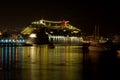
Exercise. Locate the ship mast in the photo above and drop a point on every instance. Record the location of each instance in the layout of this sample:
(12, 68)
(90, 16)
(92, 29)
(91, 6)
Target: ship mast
(96, 33)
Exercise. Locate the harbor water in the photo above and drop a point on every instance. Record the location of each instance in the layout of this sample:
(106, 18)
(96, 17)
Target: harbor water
(41, 62)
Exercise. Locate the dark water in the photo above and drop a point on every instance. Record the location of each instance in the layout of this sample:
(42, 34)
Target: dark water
(59, 63)
(101, 65)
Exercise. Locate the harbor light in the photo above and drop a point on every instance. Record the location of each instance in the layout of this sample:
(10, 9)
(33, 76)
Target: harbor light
(0, 33)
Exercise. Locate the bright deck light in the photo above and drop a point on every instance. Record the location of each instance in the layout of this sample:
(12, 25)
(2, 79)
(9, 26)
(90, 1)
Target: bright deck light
(33, 35)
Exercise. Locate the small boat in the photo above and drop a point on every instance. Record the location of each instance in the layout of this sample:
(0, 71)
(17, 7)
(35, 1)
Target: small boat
(51, 46)
(97, 48)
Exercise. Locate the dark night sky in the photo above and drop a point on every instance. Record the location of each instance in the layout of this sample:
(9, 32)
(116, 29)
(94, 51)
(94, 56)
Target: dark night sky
(84, 15)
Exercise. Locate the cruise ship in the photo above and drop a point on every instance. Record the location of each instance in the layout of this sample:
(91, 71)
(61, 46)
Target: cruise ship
(55, 32)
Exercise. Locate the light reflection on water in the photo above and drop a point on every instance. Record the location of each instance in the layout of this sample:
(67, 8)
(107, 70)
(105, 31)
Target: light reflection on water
(41, 63)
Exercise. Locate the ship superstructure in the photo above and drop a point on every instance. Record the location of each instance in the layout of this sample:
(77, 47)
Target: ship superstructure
(56, 32)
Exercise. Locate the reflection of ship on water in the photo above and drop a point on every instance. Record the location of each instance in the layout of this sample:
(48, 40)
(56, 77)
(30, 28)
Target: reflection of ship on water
(56, 32)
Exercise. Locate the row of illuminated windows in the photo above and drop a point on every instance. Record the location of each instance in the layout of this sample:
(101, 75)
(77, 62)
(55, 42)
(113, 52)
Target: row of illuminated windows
(12, 41)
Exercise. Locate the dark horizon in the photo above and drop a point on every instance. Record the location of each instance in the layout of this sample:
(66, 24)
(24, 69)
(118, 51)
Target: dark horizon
(81, 15)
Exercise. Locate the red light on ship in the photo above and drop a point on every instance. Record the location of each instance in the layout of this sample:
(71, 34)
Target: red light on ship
(64, 23)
